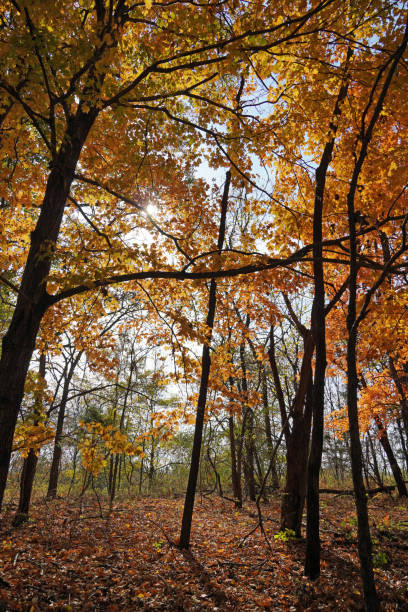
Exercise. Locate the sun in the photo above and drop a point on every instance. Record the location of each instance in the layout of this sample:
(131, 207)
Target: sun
(152, 210)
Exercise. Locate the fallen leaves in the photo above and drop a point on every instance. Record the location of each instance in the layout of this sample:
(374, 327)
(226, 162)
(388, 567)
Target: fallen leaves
(69, 558)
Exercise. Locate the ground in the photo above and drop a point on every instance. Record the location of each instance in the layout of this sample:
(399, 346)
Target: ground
(69, 557)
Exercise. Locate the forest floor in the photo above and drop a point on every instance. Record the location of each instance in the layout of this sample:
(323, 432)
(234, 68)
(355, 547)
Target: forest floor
(68, 557)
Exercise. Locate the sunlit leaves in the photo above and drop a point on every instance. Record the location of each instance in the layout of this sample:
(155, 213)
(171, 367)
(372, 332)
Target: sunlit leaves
(99, 441)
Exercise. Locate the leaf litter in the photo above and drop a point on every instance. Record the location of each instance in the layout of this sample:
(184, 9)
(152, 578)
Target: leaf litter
(70, 557)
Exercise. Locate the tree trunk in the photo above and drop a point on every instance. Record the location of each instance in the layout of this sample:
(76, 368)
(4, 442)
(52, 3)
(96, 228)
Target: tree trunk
(312, 561)
(249, 465)
(401, 392)
(115, 461)
(297, 438)
(141, 468)
(235, 476)
(30, 463)
(403, 443)
(151, 464)
(26, 487)
(376, 469)
(268, 431)
(365, 466)
(32, 301)
(293, 500)
(57, 451)
(364, 536)
(185, 532)
(396, 471)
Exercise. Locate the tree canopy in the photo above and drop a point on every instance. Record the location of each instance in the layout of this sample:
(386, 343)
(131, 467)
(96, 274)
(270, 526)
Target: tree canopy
(227, 175)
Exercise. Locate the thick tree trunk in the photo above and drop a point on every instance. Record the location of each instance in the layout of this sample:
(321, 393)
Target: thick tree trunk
(293, 500)
(297, 438)
(19, 341)
(185, 532)
(26, 487)
(297, 444)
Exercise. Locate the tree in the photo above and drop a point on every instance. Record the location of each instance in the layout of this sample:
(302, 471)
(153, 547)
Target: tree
(184, 541)
(37, 435)
(84, 81)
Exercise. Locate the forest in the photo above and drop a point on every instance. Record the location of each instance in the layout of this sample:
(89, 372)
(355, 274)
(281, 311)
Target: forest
(203, 305)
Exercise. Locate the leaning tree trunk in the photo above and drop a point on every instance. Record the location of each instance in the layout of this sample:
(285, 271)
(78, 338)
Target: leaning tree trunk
(185, 532)
(32, 301)
(403, 442)
(396, 470)
(401, 391)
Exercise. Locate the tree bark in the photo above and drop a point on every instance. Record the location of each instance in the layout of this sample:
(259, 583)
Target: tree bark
(249, 466)
(312, 561)
(32, 301)
(376, 469)
(57, 451)
(185, 532)
(396, 470)
(364, 537)
(401, 393)
(235, 475)
(30, 463)
(268, 430)
(403, 443)
(293, 500)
